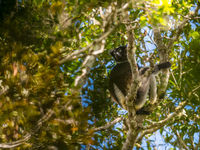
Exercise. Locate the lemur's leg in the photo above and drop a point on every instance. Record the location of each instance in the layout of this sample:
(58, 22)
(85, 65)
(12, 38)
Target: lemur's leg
(152, 90)
(153, 86)
(120, 96)
(142, 93)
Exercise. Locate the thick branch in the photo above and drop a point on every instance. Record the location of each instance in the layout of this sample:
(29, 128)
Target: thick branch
(133, 131)
(162, 48)
(130, 139)
(163, 55)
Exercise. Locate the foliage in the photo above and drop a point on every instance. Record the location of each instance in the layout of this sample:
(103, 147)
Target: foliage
(52, 90)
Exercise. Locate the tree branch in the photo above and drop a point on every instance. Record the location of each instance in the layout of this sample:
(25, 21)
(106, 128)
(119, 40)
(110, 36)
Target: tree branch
(155, 126)
(169, 117)
(100, 42)
(133, 130)
(163, 55)
(16, 143)
(108, 125)
(180, 140)
(27, 137)
(139, 139)
(77, 53)
(179, 29)
(130, 139)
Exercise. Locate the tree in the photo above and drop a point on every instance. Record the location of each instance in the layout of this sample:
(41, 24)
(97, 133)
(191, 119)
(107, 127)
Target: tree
(55, 69)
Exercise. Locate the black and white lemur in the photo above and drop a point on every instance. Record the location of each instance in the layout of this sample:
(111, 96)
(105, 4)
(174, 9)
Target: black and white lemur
(121, 78)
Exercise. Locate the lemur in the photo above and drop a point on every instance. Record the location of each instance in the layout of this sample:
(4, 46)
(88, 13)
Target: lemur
(121, 78)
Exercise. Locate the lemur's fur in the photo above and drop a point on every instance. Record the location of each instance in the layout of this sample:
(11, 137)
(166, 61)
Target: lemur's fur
(121, 78)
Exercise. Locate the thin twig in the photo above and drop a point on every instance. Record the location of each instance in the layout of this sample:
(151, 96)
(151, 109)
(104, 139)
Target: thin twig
(108, 125)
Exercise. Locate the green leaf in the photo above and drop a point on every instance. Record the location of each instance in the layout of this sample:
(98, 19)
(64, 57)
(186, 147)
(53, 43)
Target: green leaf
(194, 35)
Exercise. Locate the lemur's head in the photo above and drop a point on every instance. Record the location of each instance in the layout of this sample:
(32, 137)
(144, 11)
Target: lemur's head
(119, 54)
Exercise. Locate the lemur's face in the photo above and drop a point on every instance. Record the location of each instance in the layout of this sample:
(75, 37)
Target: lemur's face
(119, 54)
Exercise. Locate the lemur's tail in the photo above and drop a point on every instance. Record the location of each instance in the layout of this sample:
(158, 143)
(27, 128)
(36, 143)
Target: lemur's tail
(161, 66)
